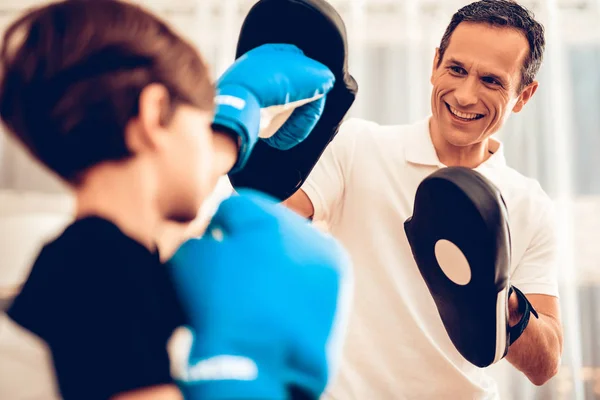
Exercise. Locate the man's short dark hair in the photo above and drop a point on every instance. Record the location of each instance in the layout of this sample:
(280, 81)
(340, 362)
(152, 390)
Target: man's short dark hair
(72, 73)
(508, 14)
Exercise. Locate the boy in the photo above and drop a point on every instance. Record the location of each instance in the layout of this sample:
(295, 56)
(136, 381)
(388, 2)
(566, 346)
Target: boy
(113, 101)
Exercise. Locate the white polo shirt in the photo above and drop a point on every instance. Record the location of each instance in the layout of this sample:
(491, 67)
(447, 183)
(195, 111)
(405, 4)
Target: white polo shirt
(397, 348)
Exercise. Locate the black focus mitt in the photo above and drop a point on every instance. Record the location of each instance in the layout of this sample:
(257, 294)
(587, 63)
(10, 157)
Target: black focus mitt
(460, 240)
(318, 30)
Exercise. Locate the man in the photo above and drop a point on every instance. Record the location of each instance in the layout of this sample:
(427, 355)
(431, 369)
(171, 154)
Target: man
(120, 107)
(364, 186)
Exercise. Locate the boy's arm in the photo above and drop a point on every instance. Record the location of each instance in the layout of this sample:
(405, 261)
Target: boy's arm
(226, 152)
(163, 392)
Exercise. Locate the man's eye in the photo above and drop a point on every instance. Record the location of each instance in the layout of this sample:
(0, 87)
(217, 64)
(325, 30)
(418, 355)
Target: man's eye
(490, 81)
(458, 70)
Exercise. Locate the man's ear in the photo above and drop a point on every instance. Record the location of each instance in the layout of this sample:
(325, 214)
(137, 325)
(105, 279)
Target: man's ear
(436, 60)
(525, 96)
(144, 130)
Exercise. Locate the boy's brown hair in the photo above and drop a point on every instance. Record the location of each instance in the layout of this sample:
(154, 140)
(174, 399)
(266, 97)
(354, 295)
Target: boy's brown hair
(72, 73)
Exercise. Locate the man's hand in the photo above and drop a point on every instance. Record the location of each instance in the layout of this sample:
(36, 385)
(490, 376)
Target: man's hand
(537, 353)
(514, 314)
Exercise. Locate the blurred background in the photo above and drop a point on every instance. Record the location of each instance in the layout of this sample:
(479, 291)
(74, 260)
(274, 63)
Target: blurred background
(555, 139)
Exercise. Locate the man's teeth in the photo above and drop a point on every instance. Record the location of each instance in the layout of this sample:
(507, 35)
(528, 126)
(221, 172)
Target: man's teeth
(464, 115)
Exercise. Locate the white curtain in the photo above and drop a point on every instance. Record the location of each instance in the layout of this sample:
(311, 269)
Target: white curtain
(555, 139)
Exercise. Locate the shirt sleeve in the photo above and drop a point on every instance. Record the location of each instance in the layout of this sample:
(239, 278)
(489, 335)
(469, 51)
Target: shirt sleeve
(325, 184)
(537, 271)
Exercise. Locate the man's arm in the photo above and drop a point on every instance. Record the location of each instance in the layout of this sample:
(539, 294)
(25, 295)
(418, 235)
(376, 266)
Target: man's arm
(300, 203)
(537, 352)
(323, 192)
(324, 188)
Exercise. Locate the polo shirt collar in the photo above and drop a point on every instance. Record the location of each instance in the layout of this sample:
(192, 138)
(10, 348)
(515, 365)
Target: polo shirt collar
(420, 150)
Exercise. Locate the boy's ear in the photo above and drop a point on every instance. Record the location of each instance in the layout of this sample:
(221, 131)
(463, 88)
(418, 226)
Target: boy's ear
(145, 129)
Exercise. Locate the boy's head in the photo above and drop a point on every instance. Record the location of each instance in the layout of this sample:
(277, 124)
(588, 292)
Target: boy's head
(89, 83)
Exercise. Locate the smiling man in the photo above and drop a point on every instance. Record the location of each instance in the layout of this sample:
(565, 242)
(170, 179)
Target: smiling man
(364, 187)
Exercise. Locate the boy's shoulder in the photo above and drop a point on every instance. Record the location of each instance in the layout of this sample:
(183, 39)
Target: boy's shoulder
(92, 248)
(91, 262)
(93, 293)
(93, 239)
(87, 254)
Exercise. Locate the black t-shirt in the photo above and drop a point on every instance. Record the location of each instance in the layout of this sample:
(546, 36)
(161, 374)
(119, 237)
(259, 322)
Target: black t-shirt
(105, 306)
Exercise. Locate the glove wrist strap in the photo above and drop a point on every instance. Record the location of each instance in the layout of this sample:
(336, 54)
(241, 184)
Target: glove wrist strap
(237, 112)
(525, 309)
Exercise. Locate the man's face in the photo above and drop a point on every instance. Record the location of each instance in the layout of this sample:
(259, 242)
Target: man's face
(476, 86)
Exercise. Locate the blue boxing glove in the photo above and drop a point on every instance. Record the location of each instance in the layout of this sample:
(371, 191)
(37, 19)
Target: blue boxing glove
(267, 298)
(274, 90)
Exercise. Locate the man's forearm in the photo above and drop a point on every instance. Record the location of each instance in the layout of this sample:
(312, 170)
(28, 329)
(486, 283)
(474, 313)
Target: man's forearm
(538, 350)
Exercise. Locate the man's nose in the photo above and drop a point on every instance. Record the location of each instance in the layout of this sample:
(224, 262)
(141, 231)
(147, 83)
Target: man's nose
(466, 92)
